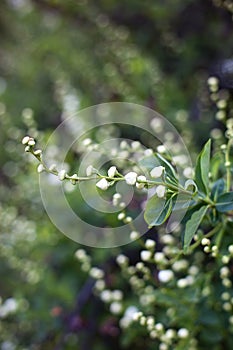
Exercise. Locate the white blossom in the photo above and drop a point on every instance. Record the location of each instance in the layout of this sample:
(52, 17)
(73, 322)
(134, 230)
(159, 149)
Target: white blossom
(145, 255)
(62, 175)
(102, 184)
(160, 191)
(96, 273)
(40, 168)
(183, 333)
(90, 170)
(157, 171)
(150, 243)
(131, 178)
(134, 235)
(115, 307)
(121, 216)
(141, 179)
(25, 140)
(165, 276)
(31, 142)
(112, 171)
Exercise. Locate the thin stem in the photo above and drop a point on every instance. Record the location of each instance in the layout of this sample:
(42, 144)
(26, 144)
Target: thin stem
(207, 235)
(228, 164)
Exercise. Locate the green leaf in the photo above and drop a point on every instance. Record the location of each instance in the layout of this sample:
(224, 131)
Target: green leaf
(217, 189)
(192, 225)
(157, 210)
(225, 202)
(149, 162)
(203, 168)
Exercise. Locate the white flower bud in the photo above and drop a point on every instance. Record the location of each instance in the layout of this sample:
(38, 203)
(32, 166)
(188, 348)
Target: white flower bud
(40, 168)
(103, 184)
(140, 184)
(31, 142)
(160, 191)
(183, 333)
(121, 216)
(165, 276)
(135, 145)
(145, 255)
(205, 241)
(134, 235)
(62, 175)
(230, 249)
(90, 170)
(96, 273)
(27, 149)
(25, 140)
(212, 81)
(131, 178)
(106, 296)
(86, 142)
(115, 308)
(38, 152)
(122, 260)
(117, 295)
(150, 243)
(112, 171)
(52, 167)
(128, 219)
(157, 172)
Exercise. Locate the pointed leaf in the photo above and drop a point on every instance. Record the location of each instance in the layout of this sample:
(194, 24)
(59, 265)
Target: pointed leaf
(157, 210)
(225, 202)
(217, 189)
(202, 168)
(192, 225)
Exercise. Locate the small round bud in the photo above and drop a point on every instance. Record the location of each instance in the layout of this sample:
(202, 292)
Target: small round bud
(40, 168)
(62, 175)
(131, 178)
(25, 140)
(103, 184)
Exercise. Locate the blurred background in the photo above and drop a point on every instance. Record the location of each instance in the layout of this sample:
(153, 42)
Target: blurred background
(58, 57)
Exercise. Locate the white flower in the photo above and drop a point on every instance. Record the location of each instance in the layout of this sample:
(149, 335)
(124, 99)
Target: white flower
(106, 296)
(131, 178)
(121, 216)
(182, 283)
(165, 276)
(96, 273)
(230, 249)
(86, 142)
(31, 142)
(212, 81)
(160, 191)
(145, 255)
(112, 171)
(90, 170)
(62, 175)
(38, 152)
(150, 243)
(135, 145)
(161, 149)
(40, 168)
(134, 235)
(140, 181)
(25, 140)
(122, 260)
(183, 333)
(157, 171)
(115, 307)
(159, 257)
(117, 295)
(103, 184)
